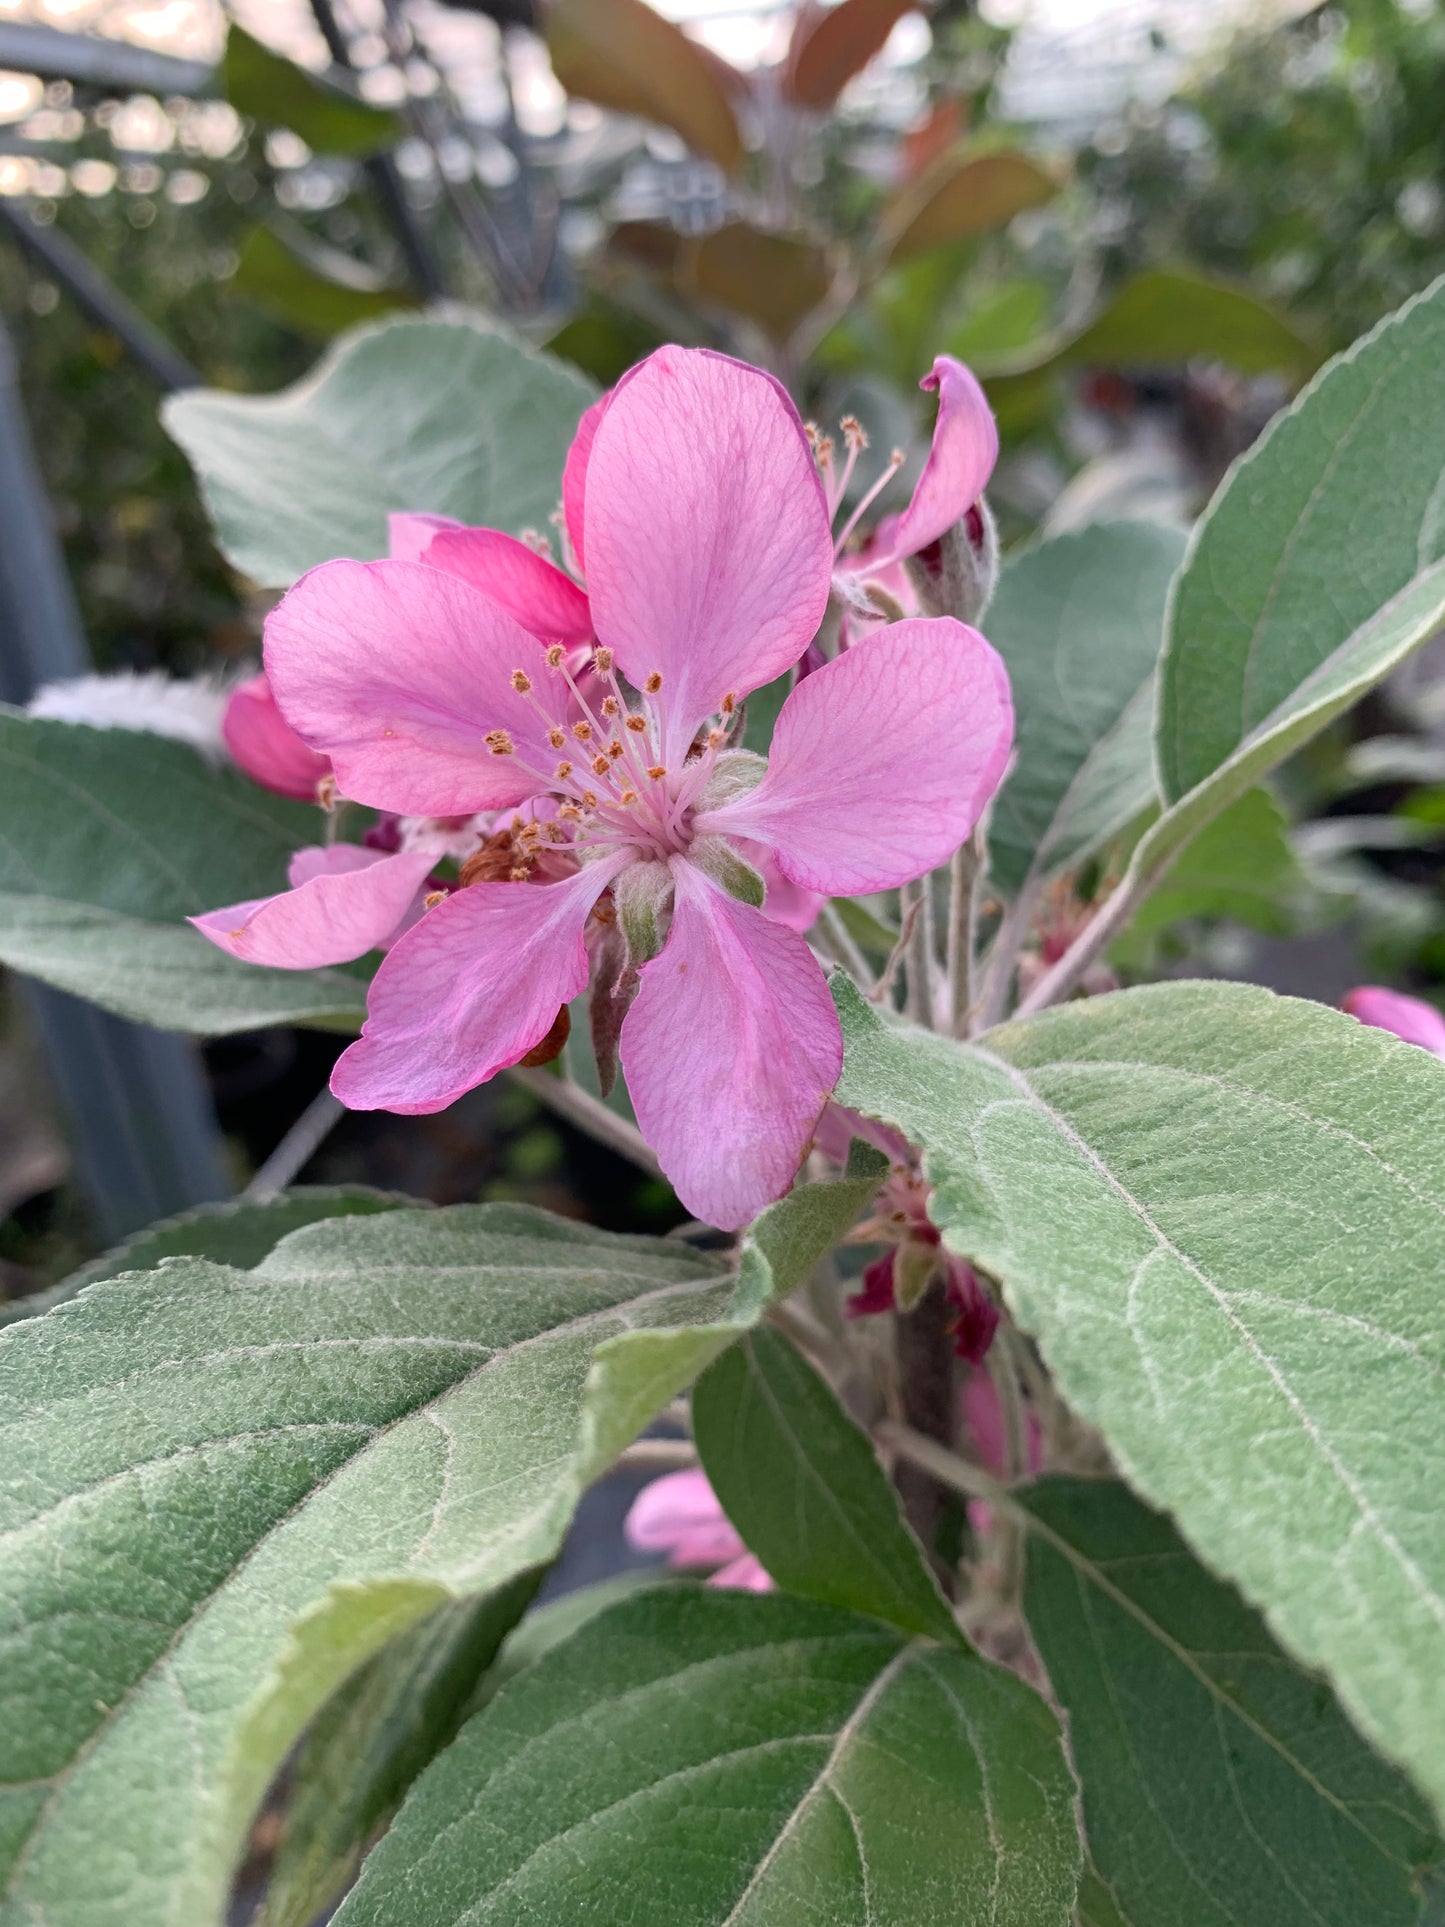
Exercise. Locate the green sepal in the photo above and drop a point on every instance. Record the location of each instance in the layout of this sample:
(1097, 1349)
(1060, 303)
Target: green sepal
(643, 895)
(717, 858)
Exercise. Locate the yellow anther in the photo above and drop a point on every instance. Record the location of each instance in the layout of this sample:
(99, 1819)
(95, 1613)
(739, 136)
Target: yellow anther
(556, 737)
(582, 731)
(615, 749)
(521, 681)
(498, 742)
(854, 433)
(636, 724)
(589, 799)
(555, 656)
(603, 662)
(570, 813)
(653, 683)
(657, 771)
(729, 703)
(564, 770)
(600, 766)
(433, 898)
(627, 797)
(327, 791)
(611, 706)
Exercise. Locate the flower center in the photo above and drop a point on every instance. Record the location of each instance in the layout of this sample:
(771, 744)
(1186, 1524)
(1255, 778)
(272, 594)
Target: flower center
(611, 786)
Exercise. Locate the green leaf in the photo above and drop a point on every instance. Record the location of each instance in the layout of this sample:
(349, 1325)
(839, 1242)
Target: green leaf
(1334, 517)
(372, 1739)
(804, 1488)
(705, 1759)
(239, 1233)
(1222, 1214)
(623, 55)
(1079, 621)
(1316, 571)
(1241, 867)
(275, 92)
(1164, 316)
(1223, 1786)
(1097, 1907)
(447, 417)
(316, 289)
(112, 839)
(224, 1491)
(962, 195)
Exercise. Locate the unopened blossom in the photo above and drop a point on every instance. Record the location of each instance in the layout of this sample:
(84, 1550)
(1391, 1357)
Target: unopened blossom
(1408, 1017)
(266, 747)
(692, 501)
(680, 1515)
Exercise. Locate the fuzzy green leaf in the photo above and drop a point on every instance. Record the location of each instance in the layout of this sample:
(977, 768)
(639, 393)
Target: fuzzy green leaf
(1222, 1785)
(447, 417)
(112, 839)
(1222, 1214)
(704, 1759)
(224, 1491)
(804, 1488)
(1079, 622)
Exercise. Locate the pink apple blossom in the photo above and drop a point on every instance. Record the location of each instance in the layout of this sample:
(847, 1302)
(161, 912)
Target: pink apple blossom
(1409, 1018)
(949, 490)
(692, 496)
(680, 1514)
(265, 746)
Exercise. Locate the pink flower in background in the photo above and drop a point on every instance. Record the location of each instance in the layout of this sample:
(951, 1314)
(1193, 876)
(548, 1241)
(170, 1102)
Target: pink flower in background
(1409, 1018)
(949, 491)
(266, 747)
(679, 1514)
(692, 497)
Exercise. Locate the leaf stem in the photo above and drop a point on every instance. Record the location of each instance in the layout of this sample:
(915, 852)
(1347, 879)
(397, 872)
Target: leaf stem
(1069, 972)
(589, 1114)
(297, 1148)
(845, 950)
(656, 1455)
(1003, 954)
(959, 1475)
(965, 880)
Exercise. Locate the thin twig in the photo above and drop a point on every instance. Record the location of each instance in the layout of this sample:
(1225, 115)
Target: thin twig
(589, 1114)
(1101, 929)
(1003, 954)
(950, 1470)
(845, 949)
(965, 882)
(297, 1148)
(918, 984)
(883, 989)
(656, 1455)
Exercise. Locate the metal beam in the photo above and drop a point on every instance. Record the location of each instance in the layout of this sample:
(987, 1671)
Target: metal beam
(142, 1129)
(92, 61)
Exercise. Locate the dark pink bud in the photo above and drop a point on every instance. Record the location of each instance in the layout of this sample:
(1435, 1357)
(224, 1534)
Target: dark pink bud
(265, 745)
(975, 1314)
(877, 1293)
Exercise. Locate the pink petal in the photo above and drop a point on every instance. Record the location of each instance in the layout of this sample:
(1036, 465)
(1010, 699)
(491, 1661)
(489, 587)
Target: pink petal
(983, 1415)
(708, 551)
(965, 448)
(679, 1514)
(730, 1052)
(411, 535)
(882, 760)
(1409, 1018)
(399, 671)
(471, 989)
(343, 902)
(838, 1127)
(784, 901)
(574, 474)
(266, 747)
(532, 590)
(743, 1574)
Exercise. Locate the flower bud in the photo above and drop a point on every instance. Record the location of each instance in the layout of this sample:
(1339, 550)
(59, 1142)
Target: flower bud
(955, 576)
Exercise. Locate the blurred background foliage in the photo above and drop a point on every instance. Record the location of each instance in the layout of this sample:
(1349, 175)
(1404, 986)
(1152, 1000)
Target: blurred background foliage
(1144, 225)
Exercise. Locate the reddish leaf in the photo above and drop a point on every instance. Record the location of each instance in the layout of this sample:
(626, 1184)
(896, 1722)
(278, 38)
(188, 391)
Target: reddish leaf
(830, 45)
(623, 55)
(773, 279)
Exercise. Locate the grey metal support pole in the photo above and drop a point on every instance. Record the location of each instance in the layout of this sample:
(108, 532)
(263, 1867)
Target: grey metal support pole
(142, 1129)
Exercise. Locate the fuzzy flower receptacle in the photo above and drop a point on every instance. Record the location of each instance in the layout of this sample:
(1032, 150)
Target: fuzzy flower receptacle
(602, 717)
